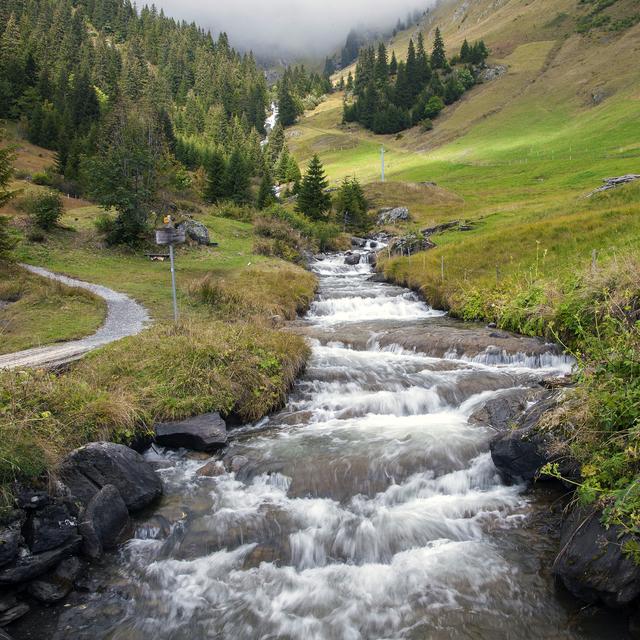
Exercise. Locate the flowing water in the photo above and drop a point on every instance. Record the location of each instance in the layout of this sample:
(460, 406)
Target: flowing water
(368, 508)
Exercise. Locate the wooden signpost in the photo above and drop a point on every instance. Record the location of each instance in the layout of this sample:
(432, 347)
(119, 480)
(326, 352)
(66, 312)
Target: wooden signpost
(170, 235)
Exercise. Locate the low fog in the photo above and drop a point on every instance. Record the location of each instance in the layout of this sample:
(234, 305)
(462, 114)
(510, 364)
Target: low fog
(290, 27)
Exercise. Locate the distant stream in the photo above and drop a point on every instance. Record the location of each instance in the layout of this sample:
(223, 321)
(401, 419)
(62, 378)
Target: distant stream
(367, 508)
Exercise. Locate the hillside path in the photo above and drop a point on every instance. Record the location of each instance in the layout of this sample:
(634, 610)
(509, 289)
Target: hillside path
(125, 317)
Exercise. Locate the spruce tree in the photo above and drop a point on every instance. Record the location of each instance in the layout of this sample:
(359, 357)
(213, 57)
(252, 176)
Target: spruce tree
(238, 178)
(393, 65)
(266, 195)
(350, 82)
(351, 206)
(287, 109)
(438, 55)
(382, 66)
(465, 52)
(313, 200)
(216, 185)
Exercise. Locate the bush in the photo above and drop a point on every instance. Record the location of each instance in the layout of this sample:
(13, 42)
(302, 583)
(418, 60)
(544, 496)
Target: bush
(35, 235)
(233, 211)
(7, 241)
(45, 208)
(104, 224)
(42, 178)
(426, 124)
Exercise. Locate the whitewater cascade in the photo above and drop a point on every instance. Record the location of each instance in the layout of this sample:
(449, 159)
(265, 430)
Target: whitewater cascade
(369, 507)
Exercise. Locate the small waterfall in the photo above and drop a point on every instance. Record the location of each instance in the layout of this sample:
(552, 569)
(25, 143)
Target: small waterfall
(369, 507)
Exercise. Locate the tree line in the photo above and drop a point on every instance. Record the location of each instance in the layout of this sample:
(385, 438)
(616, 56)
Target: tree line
(387, 96)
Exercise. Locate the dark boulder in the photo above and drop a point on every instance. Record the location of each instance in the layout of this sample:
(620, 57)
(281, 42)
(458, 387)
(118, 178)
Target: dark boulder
(592, 564)
(31, 566)
(352, 259)
(10, 539)
(4, 635)
(49, 527)
(11, 609)
(500, 412)
(86, 470)
(207, 432)
(519, 454)
(358, 242)
(57, 584)
(103, 521)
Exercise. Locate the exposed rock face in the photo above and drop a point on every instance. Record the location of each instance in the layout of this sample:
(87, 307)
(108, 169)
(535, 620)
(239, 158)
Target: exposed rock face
(591, 563)
(410, 244)
(49, 528)
(195, 231)
(207, 432)
(58, 584)
(103, 521)
(392, 215)
(87, 470)
(492, 73)
(612, 183)
(31, 566)
(352, 259)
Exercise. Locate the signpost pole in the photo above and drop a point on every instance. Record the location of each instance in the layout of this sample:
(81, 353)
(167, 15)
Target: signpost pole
(173, 284)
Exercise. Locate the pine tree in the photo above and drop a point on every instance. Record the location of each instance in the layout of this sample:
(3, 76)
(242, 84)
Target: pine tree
(350, 82)
(382, 67)
(266, 195)
(351, 206)
(293, 174)
(438, 55)
(276, 143)
(465, 52)
(215, 188)
(413, 75)
(422, 61)
(238, 178)
(393, 65)
(287, 109)
(313, 201)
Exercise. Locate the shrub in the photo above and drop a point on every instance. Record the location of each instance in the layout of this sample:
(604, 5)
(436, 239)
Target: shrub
(426, 124)
(45, 208)
(7, 240)
(104, 224)
(35, 235)
(42, 178)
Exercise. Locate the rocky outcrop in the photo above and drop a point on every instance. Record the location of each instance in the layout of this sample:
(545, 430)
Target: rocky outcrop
(393, 215)
(103, 521)
(352, 259)
(195, 231)
(87, 470)
(492, 73)
(207, 432)
(612, 183)
(592, 563)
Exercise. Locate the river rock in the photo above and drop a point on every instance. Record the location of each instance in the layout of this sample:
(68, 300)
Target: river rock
(103, 521)
(392, 215)
(31, 566)
(86, 470)
(500, 412)
(195, 231)
(520, 453)
(10, 539)
(352, 259)
(29, 499)
(211, 470)
(13, 613)
(4, 635)
(49, 528)
(207, 432)
(57, 584)
(592, 564)
(361, 243)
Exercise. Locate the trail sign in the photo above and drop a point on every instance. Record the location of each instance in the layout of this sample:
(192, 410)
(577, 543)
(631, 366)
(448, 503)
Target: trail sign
(170, 235)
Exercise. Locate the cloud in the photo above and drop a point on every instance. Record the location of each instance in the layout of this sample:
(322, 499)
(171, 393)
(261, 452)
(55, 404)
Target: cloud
(290, 26)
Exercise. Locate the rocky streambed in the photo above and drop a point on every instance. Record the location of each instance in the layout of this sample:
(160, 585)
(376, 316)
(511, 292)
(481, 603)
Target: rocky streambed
(388, 499)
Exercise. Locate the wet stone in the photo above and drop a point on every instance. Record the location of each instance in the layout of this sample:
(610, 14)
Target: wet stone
(49, 527)
(59, 583)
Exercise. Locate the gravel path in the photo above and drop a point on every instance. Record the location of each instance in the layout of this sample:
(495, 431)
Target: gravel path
(125, 317)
